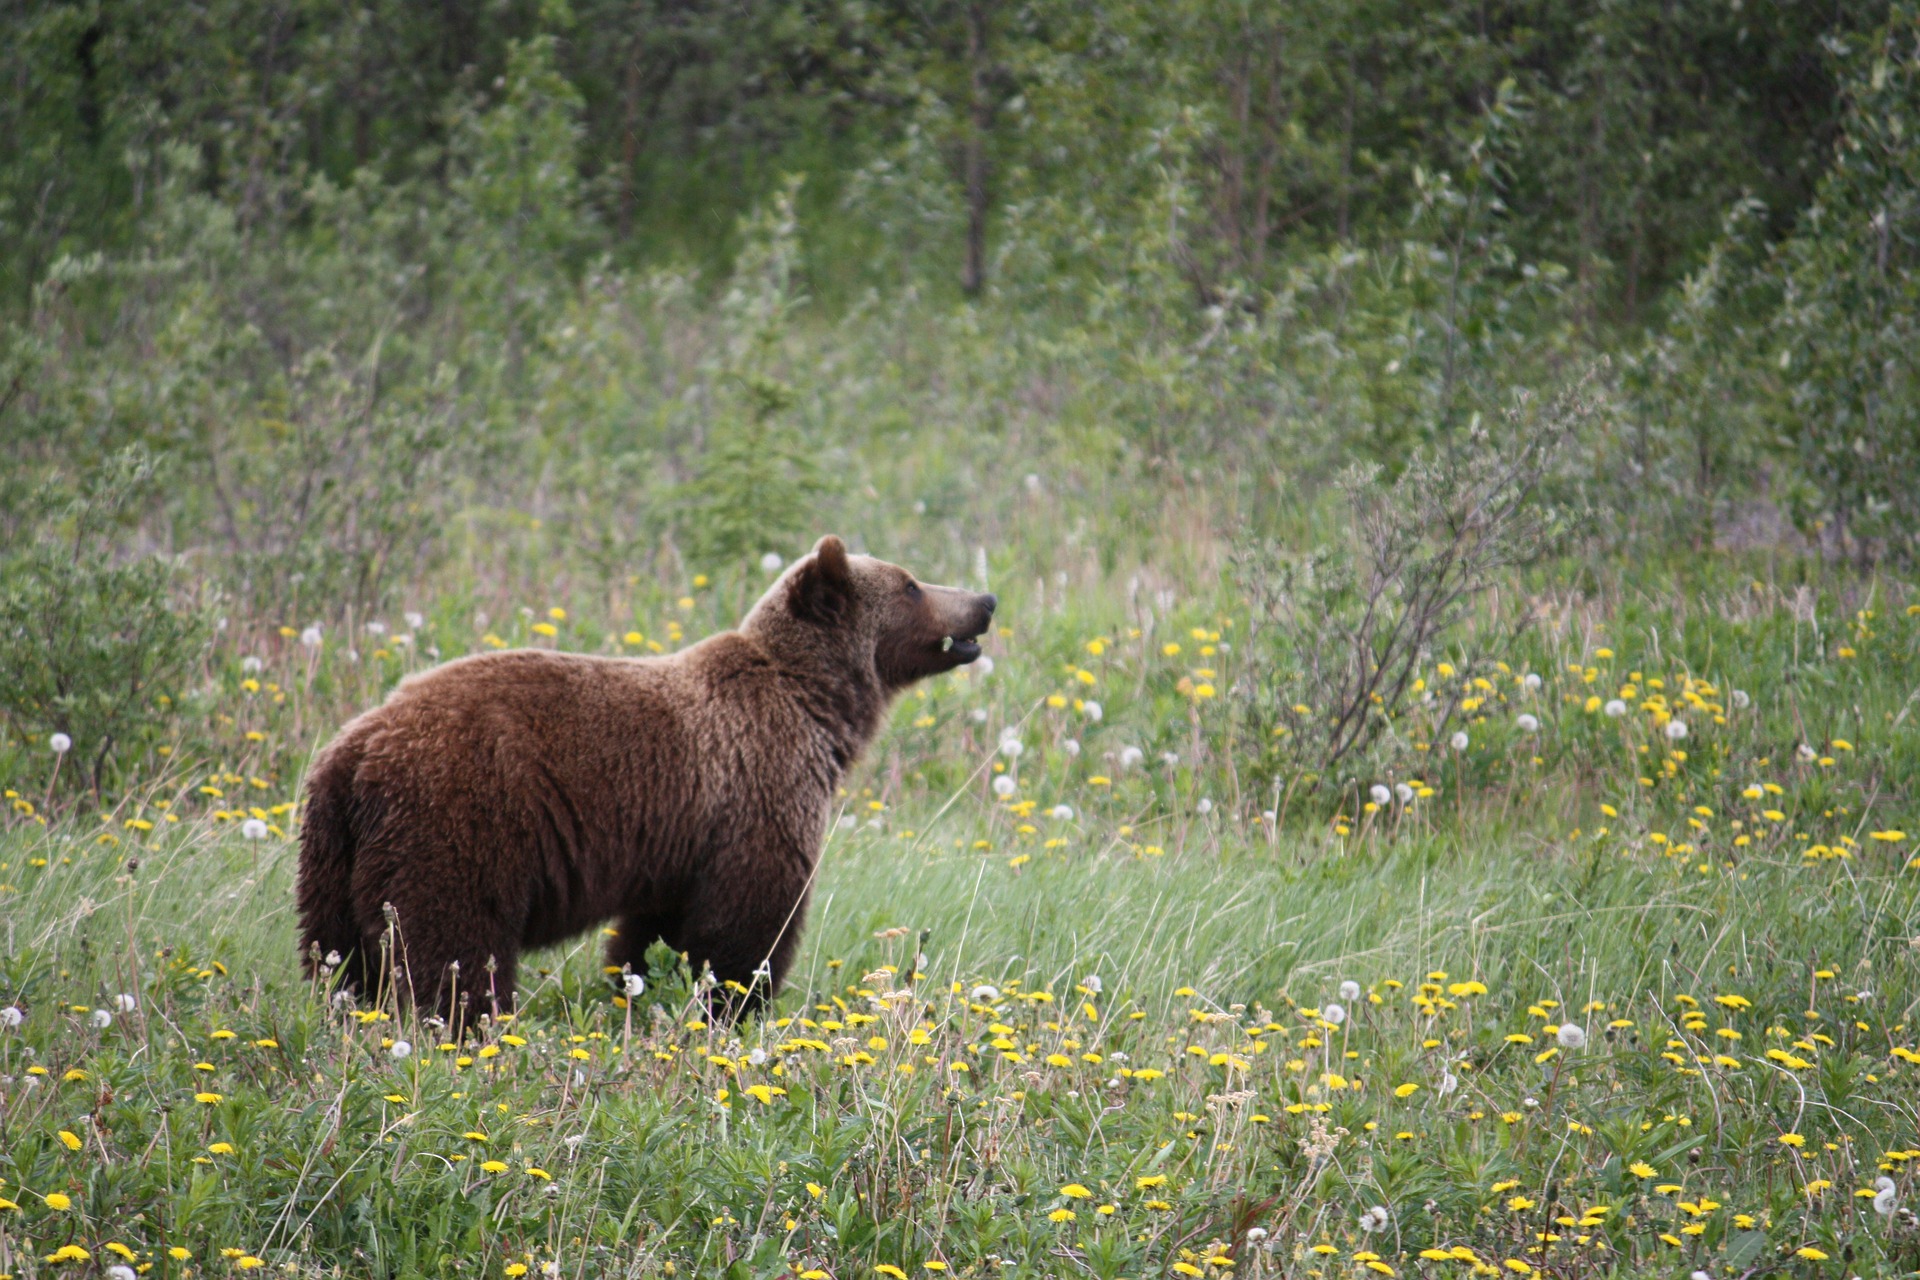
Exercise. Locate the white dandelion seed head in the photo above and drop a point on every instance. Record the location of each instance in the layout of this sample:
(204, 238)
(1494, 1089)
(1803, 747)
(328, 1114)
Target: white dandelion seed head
(1699, 1275)
(1061, 813)
(1530, 1104)
(1205, 806)
(1571, 1036)
(1615, 708)
(121, 1271)
(985, 993)
(333, 960)
(401, 1049)
(1171, 759)
(1885, 1202)
(1448, 1082)
(1119, 1055)
(100, 1019)
(1011, 747)
(979, 714)
(756, 1057)
(1530, 681)
(1004, 785)
(771, 562)
(1805, 752)
(311, 636)
(1375, 1219)
(125, 1002)
(376, 628)
(1256, 1234)
(60, 743)
(1071, 746)
(1403, 791)
(981, 666)
(415, 621)
(1381, 794)
(1131, 756)
(1740, 699)
(847, 822)
(1527, 723)
(1459, 740)
(253, 829)
(633, 985)
(1334, 1013)
(1032, 482)
(1094, 712)
(1092, 983)
(1676, 729)
(252, 665)
(1349, 991)
(1864, 996)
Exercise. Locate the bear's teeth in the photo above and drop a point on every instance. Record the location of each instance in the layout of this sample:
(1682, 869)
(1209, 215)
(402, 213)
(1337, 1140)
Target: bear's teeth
(946, 643)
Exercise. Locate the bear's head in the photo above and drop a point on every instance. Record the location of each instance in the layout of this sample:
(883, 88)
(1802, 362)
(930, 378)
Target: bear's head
(870, 615)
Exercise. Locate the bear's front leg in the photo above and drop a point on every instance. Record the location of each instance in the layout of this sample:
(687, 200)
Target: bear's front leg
(746, 931)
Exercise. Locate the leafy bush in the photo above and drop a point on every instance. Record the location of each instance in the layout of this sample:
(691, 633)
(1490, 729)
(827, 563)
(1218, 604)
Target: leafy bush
(1338, 637)
(92, 644)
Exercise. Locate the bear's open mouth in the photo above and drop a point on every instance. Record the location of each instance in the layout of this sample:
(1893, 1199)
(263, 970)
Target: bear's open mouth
(965, 648)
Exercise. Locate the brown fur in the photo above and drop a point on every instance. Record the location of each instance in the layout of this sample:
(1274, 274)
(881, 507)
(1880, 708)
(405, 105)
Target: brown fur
(511, 800)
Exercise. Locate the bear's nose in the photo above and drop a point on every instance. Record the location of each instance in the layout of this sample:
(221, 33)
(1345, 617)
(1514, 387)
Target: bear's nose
(992, 602)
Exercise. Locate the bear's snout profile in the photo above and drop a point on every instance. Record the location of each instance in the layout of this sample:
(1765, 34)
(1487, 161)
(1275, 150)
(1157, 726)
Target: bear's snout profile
(509, 800)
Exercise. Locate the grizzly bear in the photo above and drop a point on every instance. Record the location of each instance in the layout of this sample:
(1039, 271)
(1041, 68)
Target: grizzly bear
(510, 800)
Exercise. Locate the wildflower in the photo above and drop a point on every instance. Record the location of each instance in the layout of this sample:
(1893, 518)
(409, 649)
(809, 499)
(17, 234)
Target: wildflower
(1381, 796)
(1527, 723)
(1004, 785)
(1061, 1215)
(100, 1019)
(1740, 699)
(1459, 740)
(985, 993)
(888, 1269)
(70, 1139)
(68, 1253)
(1349, 991)
(401, 1049)
(1010, 745)
(1792, 1140)
(1061, 813)
(311, 636)
(1131, 756)
(1810, 1253)
(1615, 708)
(11, 1017)
(1093, 711)
(121, 1271)
(1092, 983)
(1676, 729)
(1641, 1169)
(207, 1099)
(126, 1003)
(57, 1201)
(1403, 792)
(1071, 746)
(1375, 1219)
(1885, 1196)
(1074, 1191)
(1448, 1082)
(633, 985)
(1334, 1013)
(220, 1148)
(253, 829)
(60, 743)
(1571, 1036)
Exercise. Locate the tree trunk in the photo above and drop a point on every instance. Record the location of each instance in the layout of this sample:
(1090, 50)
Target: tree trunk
(979, 119)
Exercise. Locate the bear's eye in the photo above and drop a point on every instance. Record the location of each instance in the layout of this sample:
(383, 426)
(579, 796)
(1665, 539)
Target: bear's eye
(913, 589)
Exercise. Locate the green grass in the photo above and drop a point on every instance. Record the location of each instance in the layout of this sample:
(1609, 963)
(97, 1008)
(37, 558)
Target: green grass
(1162, 959)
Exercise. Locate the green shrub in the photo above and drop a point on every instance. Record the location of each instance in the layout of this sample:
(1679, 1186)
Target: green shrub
(92, 642)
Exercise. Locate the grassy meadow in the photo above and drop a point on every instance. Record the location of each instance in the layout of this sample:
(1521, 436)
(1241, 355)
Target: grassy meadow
(1442, 796)
(1581, 996)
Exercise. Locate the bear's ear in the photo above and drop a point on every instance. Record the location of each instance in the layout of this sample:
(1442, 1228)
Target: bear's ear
(822, 589)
